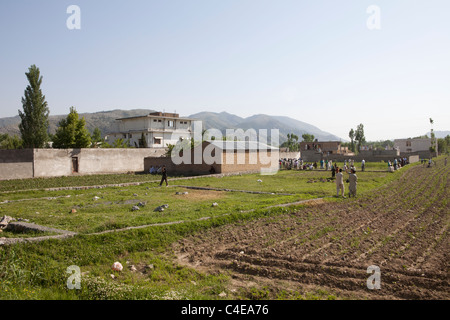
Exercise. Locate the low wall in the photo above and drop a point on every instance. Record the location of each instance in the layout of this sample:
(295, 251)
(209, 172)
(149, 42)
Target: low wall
(311, 156)
(413, 159)
(52, 162)
(420, 154)
(250, 162)
(379, 153)
(29, 163)
(289, 155)
(98, 161)
(359, 158)
(16, 164)
(183, 169)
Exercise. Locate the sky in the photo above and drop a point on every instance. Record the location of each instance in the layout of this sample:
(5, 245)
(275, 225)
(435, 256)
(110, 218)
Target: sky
(331, 63)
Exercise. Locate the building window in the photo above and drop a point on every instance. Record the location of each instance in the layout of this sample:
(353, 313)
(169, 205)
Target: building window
(170, 123)
(408, 143)
(154, 120)
(156, 140)
(159, 120)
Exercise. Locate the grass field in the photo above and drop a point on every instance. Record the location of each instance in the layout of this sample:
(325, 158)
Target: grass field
(154, 265)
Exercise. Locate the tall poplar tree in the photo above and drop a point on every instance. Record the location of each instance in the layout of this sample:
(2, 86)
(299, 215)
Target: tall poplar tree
(359, 135)
(351, 135)
(34, 118)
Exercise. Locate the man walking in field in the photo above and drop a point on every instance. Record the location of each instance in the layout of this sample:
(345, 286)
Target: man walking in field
(340, 183)
(164, 176)
(353, 182)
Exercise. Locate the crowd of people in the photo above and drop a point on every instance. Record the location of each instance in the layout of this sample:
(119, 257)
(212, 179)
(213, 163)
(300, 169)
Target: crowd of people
(397, 164)
(155, 170)
(324, 164)
(297, 164)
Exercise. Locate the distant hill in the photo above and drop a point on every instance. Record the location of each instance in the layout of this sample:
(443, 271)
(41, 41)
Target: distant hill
(219, 121)
(286, 125)
(439, 134)
(105, 120)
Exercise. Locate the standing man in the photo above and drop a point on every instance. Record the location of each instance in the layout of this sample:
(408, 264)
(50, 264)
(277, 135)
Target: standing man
(340, 183)
(353, 180)
(363, 165)
(164, 176)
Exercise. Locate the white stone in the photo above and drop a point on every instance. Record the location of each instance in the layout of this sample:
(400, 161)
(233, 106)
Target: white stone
(117, 266)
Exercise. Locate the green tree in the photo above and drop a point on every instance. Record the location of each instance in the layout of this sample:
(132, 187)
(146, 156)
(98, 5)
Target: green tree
(359, 135)
(96, 136)
(82, 136)
(72, 132)
(143, 141)
(292, 142)
(308, 137)
(444, 145)
(121, 143)
(351, 135)
(8, 142)
(34, 118)
(170, 148)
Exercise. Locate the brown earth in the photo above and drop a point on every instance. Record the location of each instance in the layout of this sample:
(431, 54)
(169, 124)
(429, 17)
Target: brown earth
(402, 228)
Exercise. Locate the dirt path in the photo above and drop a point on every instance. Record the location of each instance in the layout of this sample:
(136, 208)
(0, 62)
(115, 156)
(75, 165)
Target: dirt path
(402, 229)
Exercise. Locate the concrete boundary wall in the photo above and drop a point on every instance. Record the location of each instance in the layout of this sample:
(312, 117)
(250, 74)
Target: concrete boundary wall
(35, 163)
(16, 164)
(290, 155)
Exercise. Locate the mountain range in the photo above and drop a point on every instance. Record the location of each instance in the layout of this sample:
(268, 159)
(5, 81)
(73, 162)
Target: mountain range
(105, 120)
(285, 125)
(439, 134)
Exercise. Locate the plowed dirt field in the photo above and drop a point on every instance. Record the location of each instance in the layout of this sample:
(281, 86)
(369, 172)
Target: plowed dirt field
(401, 228)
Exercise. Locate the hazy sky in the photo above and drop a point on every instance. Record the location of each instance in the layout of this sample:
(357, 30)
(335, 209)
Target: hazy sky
(314, 60)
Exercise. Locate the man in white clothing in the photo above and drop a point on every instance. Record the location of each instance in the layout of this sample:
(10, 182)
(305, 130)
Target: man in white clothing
(353, 180)
(340, 183)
